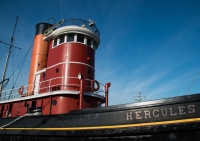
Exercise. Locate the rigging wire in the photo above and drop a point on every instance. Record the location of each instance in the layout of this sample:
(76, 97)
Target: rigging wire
(17, 57)
(3, 52)
(27, 35)
(23, 60)
(26, 55)
(15, 63)
(13, 78)
(19, 72)
(193, 82)
(22, 79)
(24, 29)
(8, 32)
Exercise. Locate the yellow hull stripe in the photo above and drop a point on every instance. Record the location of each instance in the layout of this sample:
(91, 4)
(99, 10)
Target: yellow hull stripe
(111, 126)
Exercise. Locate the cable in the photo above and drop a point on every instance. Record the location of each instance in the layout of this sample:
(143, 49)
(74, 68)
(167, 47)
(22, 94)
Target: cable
(13, 121)
(24, 29)
(13, 66)
(193, 82)
(3, 52)
(23, 59)
(22, 80)
(17, 78)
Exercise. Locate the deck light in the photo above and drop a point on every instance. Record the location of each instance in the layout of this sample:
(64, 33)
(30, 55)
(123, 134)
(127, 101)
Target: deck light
(80, 76)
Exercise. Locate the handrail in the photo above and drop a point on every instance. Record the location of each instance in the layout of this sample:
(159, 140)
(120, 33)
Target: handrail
(81, 23)
(6, 95)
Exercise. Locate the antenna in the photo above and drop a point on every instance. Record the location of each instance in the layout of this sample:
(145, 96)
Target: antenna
(61, 9)
(139, 97)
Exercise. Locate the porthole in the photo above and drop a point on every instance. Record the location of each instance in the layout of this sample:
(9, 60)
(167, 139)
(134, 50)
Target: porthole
(88, 71)
(172, 136)
(57, 70)
(54, 102)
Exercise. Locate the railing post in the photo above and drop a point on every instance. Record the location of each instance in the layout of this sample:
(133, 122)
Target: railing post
(107, 85)
(50, 85)
(81, 94)
(80, 77)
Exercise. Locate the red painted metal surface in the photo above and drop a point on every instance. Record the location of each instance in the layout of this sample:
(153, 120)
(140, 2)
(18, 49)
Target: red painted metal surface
(46, 106)
(70, 59)
(64, 104)
(106, 92)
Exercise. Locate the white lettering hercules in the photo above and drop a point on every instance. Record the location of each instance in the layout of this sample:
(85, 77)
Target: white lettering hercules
(160, 112)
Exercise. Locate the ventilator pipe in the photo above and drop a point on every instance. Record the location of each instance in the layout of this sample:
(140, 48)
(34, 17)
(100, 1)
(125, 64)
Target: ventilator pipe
(107, 85)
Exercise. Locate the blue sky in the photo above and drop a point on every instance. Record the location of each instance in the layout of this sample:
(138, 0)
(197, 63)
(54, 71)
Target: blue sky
(149, 43)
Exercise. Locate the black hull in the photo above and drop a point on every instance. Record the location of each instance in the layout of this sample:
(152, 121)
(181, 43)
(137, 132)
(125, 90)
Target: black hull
(175, 118)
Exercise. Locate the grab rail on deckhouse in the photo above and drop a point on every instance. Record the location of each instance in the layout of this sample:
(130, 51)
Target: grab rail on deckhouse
(51, 85)
(77, 22)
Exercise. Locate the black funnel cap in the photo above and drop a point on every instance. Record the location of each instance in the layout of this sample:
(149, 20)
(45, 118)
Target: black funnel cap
(41, 27)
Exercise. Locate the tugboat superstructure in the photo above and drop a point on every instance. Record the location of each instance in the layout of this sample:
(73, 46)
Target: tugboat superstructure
(59, 54)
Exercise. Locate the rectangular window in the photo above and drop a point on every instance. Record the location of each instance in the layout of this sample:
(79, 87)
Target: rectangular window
(94, 45)
(70, 37)
(62, 39)
(80, 38)
(54, 42)
(88, 42)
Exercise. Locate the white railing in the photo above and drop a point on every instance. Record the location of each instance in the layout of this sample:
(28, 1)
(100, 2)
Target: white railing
(13, 93)
(55, 84)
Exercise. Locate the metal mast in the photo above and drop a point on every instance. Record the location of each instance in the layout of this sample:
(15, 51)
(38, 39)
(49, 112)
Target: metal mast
(8, 57)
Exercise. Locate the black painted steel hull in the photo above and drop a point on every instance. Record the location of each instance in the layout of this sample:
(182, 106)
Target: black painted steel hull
(175, 118)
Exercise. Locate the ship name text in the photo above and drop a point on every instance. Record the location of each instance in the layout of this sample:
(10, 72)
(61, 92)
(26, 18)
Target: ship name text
(160, 112)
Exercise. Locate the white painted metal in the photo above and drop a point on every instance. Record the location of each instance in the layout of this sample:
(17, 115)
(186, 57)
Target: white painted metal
(71, 62)
(72, 29)
(37, 84)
